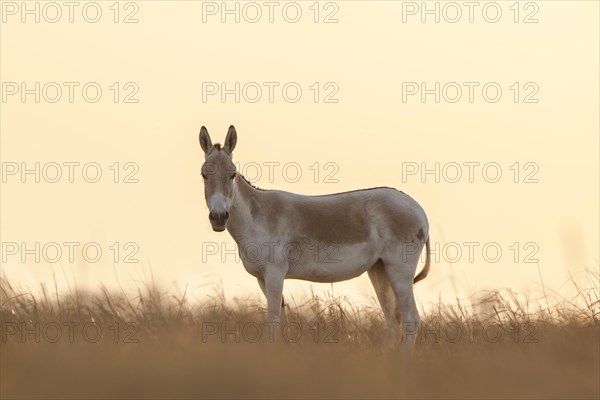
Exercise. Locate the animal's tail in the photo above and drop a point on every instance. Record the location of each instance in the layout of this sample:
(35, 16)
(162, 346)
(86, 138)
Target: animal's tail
(425, 270)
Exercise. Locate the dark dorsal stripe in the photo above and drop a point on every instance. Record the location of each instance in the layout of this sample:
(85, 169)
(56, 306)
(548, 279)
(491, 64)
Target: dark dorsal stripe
(320, 195)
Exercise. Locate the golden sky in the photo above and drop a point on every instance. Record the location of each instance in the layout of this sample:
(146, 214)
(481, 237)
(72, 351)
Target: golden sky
(518, 97)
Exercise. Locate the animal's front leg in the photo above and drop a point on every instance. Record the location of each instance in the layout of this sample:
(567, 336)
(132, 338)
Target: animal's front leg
(273, 288)
(263, 287)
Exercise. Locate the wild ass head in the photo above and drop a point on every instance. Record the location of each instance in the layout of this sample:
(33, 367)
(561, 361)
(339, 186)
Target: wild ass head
(218, 173)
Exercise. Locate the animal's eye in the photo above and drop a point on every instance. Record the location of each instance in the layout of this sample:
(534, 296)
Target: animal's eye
(233, 175)
(203, 176)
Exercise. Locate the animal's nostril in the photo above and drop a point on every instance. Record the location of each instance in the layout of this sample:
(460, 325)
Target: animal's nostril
(218, 216)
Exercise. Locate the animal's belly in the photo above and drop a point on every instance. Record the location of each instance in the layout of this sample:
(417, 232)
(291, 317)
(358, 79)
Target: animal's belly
(334, 264)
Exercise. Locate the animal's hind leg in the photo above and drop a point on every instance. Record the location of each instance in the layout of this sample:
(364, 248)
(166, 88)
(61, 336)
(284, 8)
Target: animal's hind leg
(385, 295)
(401, 272)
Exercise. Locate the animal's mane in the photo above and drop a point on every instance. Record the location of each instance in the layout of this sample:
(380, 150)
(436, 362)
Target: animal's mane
(322, 195)
(217, 146)
(251, 184)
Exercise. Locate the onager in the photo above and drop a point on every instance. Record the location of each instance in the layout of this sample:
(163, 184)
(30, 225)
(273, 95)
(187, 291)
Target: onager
(327, 238)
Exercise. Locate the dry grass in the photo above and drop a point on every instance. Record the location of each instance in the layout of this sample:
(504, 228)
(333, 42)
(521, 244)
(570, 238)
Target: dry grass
(501, 347)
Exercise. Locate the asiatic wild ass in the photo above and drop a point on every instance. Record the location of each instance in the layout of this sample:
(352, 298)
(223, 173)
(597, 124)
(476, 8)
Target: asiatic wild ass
(328, 238)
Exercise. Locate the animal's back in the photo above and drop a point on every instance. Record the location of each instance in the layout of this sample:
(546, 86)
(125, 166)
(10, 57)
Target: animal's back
(350, 217)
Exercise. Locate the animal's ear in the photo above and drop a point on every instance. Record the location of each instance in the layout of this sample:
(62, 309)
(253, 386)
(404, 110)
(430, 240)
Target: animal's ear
(230, 140)
(205, 141)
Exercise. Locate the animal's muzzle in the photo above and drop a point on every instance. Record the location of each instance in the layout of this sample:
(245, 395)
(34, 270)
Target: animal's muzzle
(218, 220)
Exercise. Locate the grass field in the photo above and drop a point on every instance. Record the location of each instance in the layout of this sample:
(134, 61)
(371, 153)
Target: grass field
(160, 345)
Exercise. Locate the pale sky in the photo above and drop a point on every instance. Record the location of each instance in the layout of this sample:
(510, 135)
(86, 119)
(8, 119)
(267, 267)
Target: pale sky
(359, 121)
